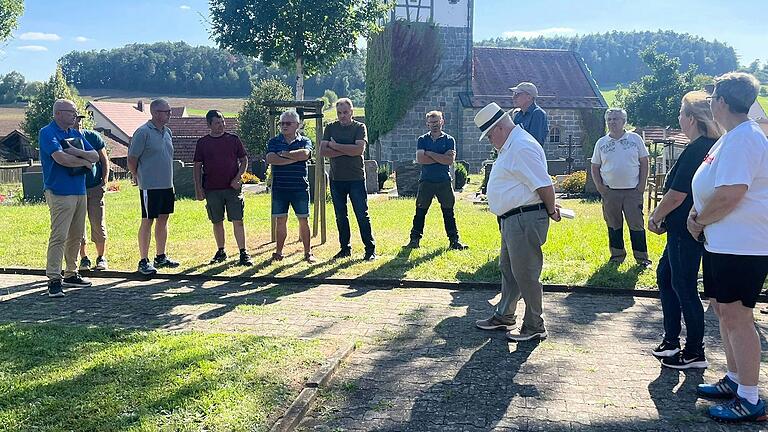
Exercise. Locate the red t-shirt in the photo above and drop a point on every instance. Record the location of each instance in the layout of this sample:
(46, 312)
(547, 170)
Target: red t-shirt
(219, 157)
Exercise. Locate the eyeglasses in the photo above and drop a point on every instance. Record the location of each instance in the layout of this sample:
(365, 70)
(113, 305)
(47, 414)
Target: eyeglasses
(164, 111)
(72, 111)
(283, 123)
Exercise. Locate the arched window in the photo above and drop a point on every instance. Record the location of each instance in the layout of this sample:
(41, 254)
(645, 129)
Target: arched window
(554, 134)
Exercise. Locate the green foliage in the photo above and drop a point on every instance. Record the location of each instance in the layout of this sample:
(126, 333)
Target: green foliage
(254, 128)
(402, 63)
(461, 175)
(655, 99)
(11, 87)
(575, 182)
(40, 110)
(593, 125)
(10, 11)
(307, 34)
(383, 173)
(614, 57)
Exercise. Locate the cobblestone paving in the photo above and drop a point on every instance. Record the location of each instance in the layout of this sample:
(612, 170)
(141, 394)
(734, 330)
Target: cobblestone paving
(421, 365)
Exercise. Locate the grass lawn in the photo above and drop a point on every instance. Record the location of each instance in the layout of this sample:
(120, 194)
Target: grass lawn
(609, 96)
(575, 252)
(56, 377)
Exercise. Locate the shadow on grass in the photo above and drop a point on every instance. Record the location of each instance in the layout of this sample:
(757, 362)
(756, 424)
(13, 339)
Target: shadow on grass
(609, 276)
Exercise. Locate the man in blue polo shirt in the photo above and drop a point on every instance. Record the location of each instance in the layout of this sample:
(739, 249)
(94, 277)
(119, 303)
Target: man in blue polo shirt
(288, 154)
(64, 189)
(531, 117)
(435, 151)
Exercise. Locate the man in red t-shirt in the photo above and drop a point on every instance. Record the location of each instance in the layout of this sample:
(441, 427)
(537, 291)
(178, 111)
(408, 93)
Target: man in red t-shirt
(220, 161)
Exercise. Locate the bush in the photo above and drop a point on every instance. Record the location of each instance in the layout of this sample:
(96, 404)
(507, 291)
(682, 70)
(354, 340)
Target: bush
(383, 174)
(461, 176)
(249, 178)
(254, 128)
(575, 183)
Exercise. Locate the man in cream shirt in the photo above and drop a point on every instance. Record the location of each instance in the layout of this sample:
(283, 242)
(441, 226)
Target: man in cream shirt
(521, 194)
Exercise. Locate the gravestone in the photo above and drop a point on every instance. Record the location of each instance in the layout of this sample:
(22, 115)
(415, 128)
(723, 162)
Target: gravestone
(32, 184)
(183, 180)
(311, 176)
(407, 179)
(371, 176)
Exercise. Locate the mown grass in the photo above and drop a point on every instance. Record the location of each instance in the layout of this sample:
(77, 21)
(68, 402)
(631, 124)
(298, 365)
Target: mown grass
(56, 378)
(575, 252)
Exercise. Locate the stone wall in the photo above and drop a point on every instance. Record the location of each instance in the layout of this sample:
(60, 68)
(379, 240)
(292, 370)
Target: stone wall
(399, 145)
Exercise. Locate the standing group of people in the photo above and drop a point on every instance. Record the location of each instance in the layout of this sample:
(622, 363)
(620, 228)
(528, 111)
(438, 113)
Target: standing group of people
(714, 210)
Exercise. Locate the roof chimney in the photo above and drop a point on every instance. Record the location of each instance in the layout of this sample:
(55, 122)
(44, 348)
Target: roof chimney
(140, 105)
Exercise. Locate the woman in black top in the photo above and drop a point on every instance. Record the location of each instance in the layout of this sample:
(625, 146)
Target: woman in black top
(678, 268)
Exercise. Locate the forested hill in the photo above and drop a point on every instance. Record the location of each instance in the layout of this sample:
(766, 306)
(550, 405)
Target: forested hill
(613, 57)
(178, 68)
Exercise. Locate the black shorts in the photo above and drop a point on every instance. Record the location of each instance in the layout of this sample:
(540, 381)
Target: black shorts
(155, 202)
(730, 278)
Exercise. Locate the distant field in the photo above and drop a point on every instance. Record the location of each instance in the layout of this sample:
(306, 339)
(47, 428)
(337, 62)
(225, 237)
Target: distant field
(610, 97)
(10, 118)
(197, 105)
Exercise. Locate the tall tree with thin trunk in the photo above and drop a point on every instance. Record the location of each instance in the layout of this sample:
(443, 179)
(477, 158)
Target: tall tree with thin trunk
(308, 35)
(10, 11)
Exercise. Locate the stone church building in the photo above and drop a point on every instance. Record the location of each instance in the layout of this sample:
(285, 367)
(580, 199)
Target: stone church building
(471, 77)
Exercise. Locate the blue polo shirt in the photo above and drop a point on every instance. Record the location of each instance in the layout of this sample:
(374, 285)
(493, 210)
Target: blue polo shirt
(534, 121)
(93, 178)
(436, 172)
(56, 177)
(291, 177)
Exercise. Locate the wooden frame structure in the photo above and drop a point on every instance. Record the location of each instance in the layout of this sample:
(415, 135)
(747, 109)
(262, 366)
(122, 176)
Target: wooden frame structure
(307, 109)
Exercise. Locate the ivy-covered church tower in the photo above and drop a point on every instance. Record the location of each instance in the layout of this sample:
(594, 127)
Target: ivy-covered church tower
(419, 63)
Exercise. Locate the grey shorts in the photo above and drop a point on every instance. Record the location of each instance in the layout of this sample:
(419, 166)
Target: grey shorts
(231, 200)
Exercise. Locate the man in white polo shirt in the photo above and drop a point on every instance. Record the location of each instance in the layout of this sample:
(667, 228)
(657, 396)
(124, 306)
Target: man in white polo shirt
(520, 193)
(620, 171)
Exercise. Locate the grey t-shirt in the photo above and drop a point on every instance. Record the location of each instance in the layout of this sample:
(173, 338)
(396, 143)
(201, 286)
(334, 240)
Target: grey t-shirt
(154, 150)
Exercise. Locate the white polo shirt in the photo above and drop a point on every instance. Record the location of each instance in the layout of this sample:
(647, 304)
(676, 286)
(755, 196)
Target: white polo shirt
(520, 169)
(740, 157)
(619, 160)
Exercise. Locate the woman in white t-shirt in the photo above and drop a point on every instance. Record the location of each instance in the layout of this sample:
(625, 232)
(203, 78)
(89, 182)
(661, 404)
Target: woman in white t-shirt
(730, 215)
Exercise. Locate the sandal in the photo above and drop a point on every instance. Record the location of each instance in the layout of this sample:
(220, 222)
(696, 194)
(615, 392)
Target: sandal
(277, 257)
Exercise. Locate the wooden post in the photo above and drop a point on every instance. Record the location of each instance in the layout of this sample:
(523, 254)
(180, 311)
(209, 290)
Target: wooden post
(320, 193)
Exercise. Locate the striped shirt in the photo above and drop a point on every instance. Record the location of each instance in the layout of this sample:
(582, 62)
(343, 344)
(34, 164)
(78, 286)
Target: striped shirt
(291, 177)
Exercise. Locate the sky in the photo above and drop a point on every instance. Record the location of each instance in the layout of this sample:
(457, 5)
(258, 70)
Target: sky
(43, 36)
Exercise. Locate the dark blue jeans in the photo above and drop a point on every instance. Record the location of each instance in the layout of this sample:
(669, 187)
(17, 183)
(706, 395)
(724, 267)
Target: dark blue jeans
(355, 190)
(677, 275)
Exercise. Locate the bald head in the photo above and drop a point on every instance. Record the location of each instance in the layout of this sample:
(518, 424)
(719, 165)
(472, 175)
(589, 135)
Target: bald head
(64, 113)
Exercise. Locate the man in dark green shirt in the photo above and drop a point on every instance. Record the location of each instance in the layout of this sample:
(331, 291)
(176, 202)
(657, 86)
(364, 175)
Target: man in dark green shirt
(343, 143)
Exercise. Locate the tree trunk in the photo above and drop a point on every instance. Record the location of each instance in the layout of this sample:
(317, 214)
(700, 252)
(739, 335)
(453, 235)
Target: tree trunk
(299, 78)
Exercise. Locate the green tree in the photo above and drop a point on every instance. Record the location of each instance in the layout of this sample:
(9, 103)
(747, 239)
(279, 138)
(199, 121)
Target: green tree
(309, 35)
(10, 11)
(254, 128)
(40, 110)
(11, 86)
(654, 100)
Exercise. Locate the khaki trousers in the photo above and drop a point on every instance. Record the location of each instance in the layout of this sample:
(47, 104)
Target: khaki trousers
(67, 228)
(617, 205)
(520, 262)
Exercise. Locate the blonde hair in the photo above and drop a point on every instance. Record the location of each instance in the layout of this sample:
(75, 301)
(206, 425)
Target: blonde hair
(434, 114)
(696, 105)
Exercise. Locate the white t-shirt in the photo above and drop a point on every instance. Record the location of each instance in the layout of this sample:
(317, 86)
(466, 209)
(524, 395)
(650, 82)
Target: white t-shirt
(740, 157)
(619, 160)
(520, 169)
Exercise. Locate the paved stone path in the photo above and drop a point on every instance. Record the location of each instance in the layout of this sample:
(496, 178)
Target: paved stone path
(421, 366)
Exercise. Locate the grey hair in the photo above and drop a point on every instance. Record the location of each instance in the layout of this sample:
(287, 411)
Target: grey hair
(59, 102)
(292, 114)
(616, 110)
(157, 103)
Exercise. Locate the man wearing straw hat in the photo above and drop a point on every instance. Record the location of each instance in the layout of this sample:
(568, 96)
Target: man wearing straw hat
(520, 193)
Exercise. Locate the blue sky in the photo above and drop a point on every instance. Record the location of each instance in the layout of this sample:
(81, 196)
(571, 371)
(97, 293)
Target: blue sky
(43, 36)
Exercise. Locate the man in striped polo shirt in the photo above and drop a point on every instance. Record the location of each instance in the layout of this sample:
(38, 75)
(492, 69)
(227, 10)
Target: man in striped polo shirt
(288, 154)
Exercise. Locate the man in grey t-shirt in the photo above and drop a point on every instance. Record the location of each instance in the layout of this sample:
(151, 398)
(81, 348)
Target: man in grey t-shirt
(150, 160)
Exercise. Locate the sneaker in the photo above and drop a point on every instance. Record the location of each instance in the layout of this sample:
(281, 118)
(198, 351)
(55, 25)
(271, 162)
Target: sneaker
(684, 360)
(525, 335)
(738, 409)
(413, 244)
(85, 263)
(645, 264)
(75, 281)
(457, 245)
(370, 256)
(495, 323)
(723, 389)
(146, 268)
(220, 256)
(344, 253)
(666, 349)
(101, 264)
(245, 260)
(308, 257)
(164, 261)
(54, 288)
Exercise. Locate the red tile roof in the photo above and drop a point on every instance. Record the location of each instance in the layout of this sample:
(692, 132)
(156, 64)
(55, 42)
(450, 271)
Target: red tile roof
(187, 130)
(561, 77)
(116, 149)
(124, 116)
(658, 133)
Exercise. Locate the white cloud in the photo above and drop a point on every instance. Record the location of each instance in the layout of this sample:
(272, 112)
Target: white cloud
(184, 7)
(552, 31)
(81, 39)
(34, 48)
(38, 36)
